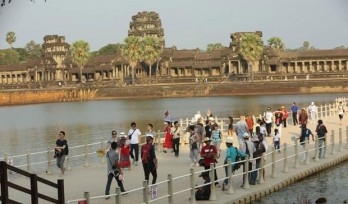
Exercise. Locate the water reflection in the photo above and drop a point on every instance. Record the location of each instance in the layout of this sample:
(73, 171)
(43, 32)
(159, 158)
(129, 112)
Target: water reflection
(35, 127)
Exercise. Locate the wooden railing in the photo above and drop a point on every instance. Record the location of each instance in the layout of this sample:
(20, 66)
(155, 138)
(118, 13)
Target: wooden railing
(33, 191)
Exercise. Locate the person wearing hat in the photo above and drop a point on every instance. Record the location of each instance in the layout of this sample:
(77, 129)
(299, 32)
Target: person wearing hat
(231, 153)
(249, 149)
(124, 150)
(203, 193)
(312, 109)
(305, 133)
(149, 160)
(209, 154)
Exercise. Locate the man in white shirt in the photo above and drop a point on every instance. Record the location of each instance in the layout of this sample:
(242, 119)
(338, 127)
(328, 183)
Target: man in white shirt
(268, 117)
(133, 136)
(312, 109)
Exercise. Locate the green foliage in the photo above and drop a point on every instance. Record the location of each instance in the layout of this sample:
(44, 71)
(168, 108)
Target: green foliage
(152, 49)
(342, 47)
(110, 49)
(23, 55)
(132, 52)
(276, 43)
(33, 50)
(251, 47)
(10, 38)
(9, 57)
(214, 46)
(79, 54)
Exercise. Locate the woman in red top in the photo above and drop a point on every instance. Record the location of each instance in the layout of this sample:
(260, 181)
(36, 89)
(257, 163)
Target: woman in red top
(209, 154)
(285, 115)
(167, 145)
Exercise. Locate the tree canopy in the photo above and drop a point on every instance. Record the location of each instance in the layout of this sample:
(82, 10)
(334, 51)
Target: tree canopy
(79, 54)
(251, 47)
(110, 49)
(33, 50)
(276, 43)
(132, 52)
(214, 46)
(11, 38)
(9, 57)
(152, 49)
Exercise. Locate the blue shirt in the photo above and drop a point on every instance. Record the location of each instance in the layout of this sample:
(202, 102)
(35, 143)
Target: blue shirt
(231, 152)
(294, 109)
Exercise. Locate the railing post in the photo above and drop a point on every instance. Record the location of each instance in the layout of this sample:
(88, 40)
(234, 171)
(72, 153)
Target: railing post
(306, 144)
(187, 122)
(192, 186)
(229, 174)
(321, 111)
(246, 174)
(273, 174)
(333, 142)
(86, 154)
(286, 169)
(34, 190)
(316, 146)
(340, 139)
(330, 110)
(346, 137)
(61, 196)
(49, 162)
(158, 142)
(297, 161)
(212, 186)
(102, 159)
(28, 161)
(262, 168)
(222, 128)
(4, 182)
(118, 195)
(325, 145)
(68, 163)
(170, 189)
(325, 107)
(145, 190)
(86, 196)
(181, 123)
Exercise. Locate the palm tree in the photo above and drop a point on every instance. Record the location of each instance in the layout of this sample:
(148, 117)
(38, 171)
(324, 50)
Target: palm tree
(10, 38)
(276, 43)
(152, 49)
(214, 46)
(306, 45)
(132, 52)
(251, 49)
(80, 54)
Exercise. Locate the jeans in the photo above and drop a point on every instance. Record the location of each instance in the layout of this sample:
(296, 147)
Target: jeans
(320, 146)
(60, 162)
(226, 173)
(134, 147)
(253, 175)
(108, 184)
(176, 145)
(194, 153)
(269, 128)
(294, 118)
(276, 145)
(150, 168)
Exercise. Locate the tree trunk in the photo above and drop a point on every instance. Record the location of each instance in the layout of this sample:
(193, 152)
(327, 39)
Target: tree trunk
(81, 74)
(132, 75)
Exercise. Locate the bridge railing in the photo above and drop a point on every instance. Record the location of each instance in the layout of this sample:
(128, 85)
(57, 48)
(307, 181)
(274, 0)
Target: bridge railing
(287, 157)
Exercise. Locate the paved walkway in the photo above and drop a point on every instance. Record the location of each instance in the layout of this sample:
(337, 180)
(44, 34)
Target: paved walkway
(93, 178)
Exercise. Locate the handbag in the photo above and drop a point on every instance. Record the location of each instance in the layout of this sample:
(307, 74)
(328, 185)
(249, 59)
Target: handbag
(57, 154)
(130, 136)
(201, 162)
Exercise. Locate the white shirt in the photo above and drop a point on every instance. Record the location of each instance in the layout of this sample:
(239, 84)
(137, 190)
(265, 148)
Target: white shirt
(312, 109)
(340, 110)
(135, 136)
(268, 116)
(276, 138)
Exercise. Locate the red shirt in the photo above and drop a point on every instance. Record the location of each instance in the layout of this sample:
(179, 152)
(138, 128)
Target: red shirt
(209, 154)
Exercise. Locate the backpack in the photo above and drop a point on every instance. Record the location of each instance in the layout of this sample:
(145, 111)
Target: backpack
(145, 153)
(66, 149)
(260, 148)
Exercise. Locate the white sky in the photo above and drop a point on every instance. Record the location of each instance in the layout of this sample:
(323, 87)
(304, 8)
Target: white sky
(187, 23)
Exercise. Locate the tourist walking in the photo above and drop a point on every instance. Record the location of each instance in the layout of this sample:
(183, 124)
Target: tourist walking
(208, 115)
(133, 136)
(249, 149)
(285, 116)
(268, 118)
(303, 117)
(305, 133)
(313, 110)
(241, 127)
(217, 136)
(61, 150)
(113, 169)
(175, 131)
(230, 126)
(209, 154)
(209, 127)
(194, 151)
(149, 130)
(340, 110)
(231, 153)
(197, 116)
(168, 143)
(149, 159)
(265, 144)
(260, 149)
(250, 122)
(124, 151)
(200, 131)
(321, 136)
(278, 117)
(294, 109)
(276, 140)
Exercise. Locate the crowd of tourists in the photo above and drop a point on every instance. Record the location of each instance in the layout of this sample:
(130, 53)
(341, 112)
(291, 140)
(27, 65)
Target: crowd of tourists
(205, 140)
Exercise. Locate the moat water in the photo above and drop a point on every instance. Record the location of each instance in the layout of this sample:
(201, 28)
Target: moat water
(35, 127)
